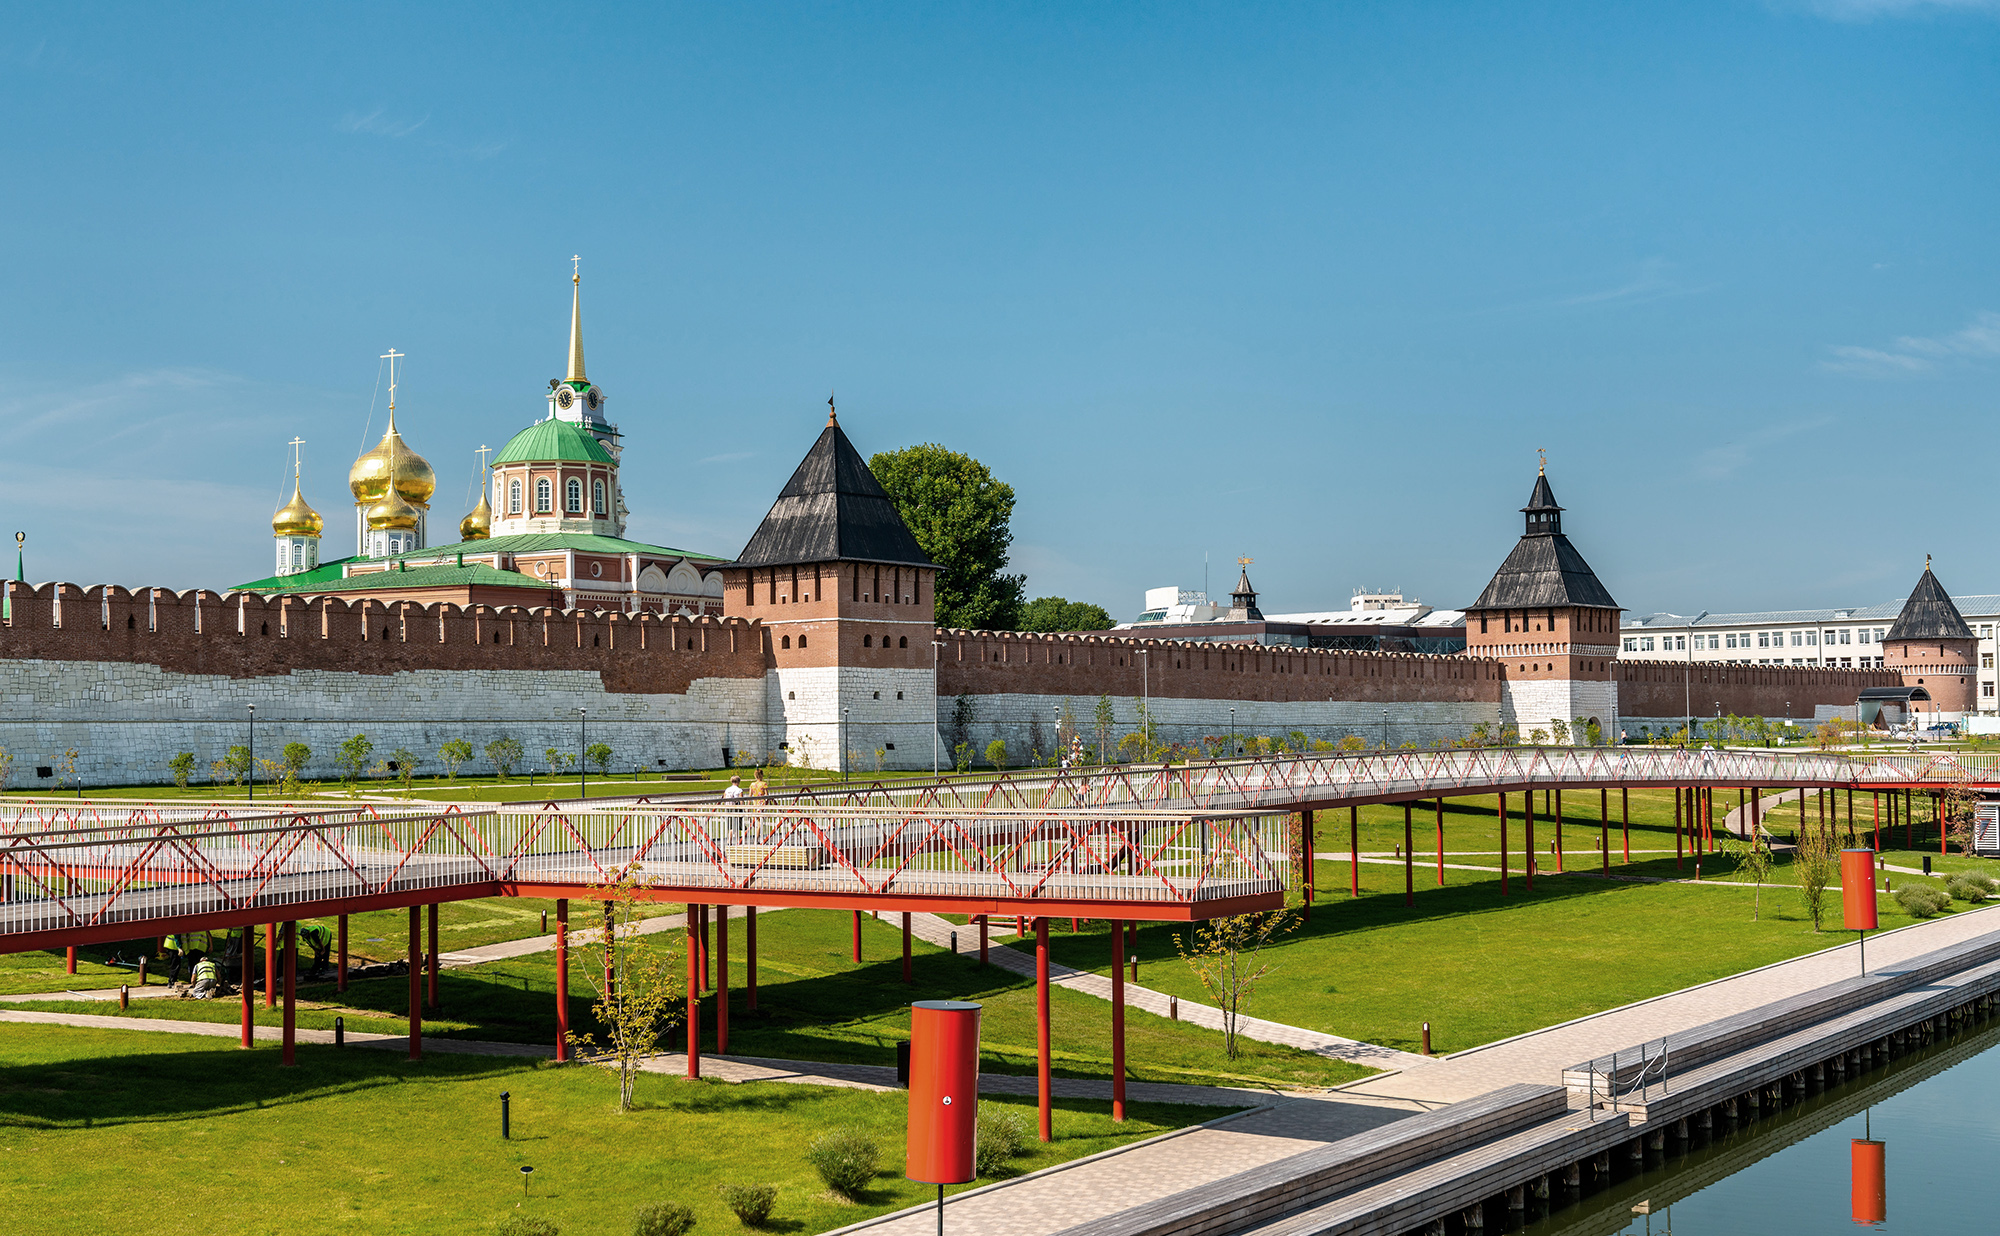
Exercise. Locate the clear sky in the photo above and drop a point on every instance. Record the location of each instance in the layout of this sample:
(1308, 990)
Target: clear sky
(1307, 283)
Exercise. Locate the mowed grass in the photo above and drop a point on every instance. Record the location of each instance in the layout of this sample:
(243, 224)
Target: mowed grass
(117, 1132)
(814, 1003)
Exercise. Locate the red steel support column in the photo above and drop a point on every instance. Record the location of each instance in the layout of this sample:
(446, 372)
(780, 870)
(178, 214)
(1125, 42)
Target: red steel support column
(707, 962)
(1937, 812)
(270, 965)
(1528, 824)
(722, 983)
(1625, 816)
(1440, 820)
(340, 979)
(248, 960)
(1678, 802)
(1308, 828)
(416, 982)
(1044, 1088)
(1850, 815)
(435, 1001)
(1604, 828)
(694, 993)
(1503, 845)
(290, 1056)
(1117, 1020)
(1409, 860)
(750, 955)
(1354, 851)
(906, 947)
(857, 937)
(562, 978)
(1556, 811)
(1875, 813)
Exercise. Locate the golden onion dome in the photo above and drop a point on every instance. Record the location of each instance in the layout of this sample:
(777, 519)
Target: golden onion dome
(393, 511)
(296, 518)
(392, 463)
(477, 526)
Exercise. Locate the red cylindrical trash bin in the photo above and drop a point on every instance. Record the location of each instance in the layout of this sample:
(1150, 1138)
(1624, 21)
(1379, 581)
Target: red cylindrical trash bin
(1871, 1185)
(1857, 889)
(944, 1091)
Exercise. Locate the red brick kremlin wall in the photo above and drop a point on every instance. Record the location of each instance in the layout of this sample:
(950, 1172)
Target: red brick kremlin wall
(1667, 689)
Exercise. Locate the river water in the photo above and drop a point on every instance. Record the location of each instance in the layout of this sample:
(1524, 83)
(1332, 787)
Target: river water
(1935, 1110)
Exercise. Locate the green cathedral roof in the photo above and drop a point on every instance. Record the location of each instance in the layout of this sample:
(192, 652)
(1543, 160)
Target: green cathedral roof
(552, 441)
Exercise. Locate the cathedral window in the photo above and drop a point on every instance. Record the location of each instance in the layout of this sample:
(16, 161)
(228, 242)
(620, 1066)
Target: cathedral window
(513, 497)
(544, 494)
(573, 496)
(597, 504)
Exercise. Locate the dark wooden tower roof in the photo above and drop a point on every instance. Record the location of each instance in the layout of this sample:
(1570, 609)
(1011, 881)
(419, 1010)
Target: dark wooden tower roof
(1929, 613)
(832, 510)
(1544, 571)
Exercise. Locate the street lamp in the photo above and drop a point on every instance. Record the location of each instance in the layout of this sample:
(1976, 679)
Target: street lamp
(253, 752)
(1233, 752)
(1687, 684)
(937, 739)
(1385, 729)
(1146, 700)
(843, 746)
(582, 754)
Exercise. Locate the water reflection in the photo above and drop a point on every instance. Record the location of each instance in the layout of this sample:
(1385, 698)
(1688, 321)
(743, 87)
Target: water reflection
(1783, 1174)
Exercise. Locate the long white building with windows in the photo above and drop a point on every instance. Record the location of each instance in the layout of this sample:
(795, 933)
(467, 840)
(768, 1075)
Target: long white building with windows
(1831, 638)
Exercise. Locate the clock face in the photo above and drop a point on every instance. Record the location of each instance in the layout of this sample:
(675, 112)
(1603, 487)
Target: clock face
(594, 399)
(565, 398)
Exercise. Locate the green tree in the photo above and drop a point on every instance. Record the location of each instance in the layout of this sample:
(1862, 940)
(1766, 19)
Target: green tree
(1814, 865)
(503, 754)
(960, 515)
(1225, 955)
(453, 755)
(638, 986)
(1753, 859)
(599, 755)
(405, 761)
(237, 762)
(181, 766)
(996, 753)
(1058, 614)
(353, 759)
(294, 758)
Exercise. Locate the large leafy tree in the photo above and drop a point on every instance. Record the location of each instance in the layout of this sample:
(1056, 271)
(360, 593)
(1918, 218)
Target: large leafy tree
(959, 514)
(1060, 614)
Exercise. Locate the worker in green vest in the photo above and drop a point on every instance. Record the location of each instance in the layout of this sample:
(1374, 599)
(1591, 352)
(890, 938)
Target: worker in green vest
(319, 938)
(207, 979)
(173, 944)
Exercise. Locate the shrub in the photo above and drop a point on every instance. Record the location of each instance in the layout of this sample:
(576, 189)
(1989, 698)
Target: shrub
(1971, 886)
(526, 1225)
(1922, 900)
(1001, 1134)
(752, 1203)
(662, 1219)
(845, 1159)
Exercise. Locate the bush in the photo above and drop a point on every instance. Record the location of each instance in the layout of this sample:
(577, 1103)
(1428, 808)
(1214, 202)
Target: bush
(1922, 900)
(662, 1219)
(526, 1225)
(752, 1203)
(1002, 1133)
(845, 1159)
(1971, 886)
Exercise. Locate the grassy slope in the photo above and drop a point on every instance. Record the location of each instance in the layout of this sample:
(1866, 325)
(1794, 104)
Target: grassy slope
(107, 1132)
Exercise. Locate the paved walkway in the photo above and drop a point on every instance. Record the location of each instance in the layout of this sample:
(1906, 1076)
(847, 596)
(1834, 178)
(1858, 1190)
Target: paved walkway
(938, 931)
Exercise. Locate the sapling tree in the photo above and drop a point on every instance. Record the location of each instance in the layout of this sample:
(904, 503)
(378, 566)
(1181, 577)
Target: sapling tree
(454, 755)
(405, 761)
(1813, 866)
(1226, 956)
(503, 754)
(181, 766)
(638, 982)
(352, 757)
(599, 755)
(1753, 859)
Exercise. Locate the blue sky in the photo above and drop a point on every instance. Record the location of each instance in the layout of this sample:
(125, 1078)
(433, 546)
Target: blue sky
(1307, 283)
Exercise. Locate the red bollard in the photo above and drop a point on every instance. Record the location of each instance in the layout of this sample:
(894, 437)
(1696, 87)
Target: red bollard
(1870, 1184)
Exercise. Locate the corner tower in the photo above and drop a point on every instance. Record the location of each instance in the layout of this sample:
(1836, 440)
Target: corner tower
(844, 593)
(1552, 625)
(1932, 647)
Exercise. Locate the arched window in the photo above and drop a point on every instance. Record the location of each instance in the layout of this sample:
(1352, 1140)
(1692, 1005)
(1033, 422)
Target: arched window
(903, 642)
(786, 643)
(867, 641)
(298, 554)
(513, 497)
(802, 641)
(573, 496)
(544, 494)
(597, 505)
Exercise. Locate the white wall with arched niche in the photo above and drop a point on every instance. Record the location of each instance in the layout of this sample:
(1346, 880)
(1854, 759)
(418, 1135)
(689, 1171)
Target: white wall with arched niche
(652, 579)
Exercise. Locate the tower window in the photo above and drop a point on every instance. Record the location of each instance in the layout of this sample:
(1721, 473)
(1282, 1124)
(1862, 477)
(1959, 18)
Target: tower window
(867, 641)
(802, 641)
(544, 494)
(786, 642)
(597, 503)
(904, 642)
(573, 496)
(513, 497)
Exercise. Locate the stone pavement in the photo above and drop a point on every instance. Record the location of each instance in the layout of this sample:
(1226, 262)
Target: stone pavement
(938, 931)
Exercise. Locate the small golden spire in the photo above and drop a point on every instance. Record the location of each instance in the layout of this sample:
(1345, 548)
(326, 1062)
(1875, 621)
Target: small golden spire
(1544, 469)
(576, 321)
(1927, 562)
(832, 421)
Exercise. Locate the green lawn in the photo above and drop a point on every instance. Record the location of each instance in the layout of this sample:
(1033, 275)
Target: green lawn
(814, 1004)
(113, 1132)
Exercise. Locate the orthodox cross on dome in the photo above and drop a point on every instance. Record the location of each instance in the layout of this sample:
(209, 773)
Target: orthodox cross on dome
(483, 451)
(298, 456)
(392, 356)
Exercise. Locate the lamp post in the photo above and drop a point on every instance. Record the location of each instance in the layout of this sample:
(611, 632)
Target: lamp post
(1146, 700)
(582, 754)
(1385, 729)
(1687, 683)
(843, 746)
(1233, 753)
(937, 740)
(253, 752)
